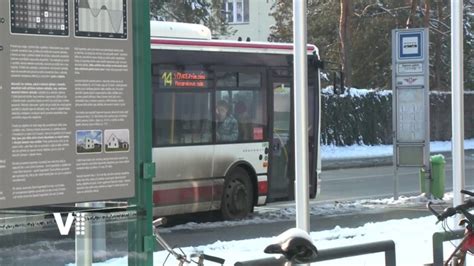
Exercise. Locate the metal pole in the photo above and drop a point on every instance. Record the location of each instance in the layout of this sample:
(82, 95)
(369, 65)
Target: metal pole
(396, 183)
(426, 154)
(394, 120)
(140, 230)
(300, 75)
(84, 255)
(457, 102)
(99, 234)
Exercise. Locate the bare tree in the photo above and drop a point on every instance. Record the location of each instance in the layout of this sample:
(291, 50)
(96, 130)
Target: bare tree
(426, 15)
(411, 17)
(345, 37)
(437, 48)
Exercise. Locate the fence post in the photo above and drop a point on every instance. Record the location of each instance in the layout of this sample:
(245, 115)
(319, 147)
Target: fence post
(438, 239)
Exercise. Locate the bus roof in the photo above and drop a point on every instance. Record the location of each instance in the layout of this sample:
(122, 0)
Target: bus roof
(178, 30)
(226, 46)
(196, 37)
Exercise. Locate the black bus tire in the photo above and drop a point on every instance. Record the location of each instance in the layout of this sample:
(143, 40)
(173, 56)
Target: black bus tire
(237, 198)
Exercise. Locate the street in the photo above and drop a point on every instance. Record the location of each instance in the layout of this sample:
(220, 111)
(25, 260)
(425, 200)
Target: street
(339, 185)
(377, 182)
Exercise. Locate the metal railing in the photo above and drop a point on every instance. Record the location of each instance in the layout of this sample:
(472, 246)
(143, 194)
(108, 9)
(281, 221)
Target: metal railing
(388, 247)
(438, 239)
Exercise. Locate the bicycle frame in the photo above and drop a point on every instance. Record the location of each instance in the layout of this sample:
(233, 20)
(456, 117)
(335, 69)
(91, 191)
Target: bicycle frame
(458, 256)
(182, 258)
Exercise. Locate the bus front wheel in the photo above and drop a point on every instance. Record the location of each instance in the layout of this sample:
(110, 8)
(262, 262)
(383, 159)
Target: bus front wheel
(237, 200)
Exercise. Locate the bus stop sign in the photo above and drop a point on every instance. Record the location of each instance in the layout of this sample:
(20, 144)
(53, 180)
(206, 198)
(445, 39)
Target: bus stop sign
(410, 87)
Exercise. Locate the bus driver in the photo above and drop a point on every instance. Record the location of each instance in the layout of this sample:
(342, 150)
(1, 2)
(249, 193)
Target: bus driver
(227, 127)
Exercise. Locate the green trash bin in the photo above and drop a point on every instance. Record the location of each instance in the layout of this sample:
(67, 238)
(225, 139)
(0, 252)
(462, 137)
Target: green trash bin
(438, 175)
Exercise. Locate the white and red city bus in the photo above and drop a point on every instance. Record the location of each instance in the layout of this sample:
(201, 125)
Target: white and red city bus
(196, 168)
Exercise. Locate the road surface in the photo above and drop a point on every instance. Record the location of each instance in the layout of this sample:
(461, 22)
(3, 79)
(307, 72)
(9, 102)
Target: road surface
(377, 182)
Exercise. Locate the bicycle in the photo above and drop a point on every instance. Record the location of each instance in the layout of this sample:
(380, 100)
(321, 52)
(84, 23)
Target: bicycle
(458, 256)
(182, 258)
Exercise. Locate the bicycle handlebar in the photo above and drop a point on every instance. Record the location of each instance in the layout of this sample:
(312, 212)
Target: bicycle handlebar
(450, 211)
(209, 258)
(467, 192)
(159, 221)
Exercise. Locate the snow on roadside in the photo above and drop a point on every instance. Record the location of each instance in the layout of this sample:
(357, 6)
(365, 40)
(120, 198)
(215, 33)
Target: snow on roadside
(407, 201)
(269, 214)
(412, 239)
(331, 152)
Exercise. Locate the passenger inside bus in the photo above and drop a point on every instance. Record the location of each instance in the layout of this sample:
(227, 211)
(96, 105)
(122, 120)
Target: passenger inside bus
(227, 127)
(244, 120)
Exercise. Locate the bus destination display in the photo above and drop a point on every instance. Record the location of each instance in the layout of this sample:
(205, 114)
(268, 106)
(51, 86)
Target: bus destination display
(183, 79)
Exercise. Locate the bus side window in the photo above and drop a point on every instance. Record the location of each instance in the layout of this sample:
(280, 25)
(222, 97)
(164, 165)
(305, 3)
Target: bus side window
(246, 96)
(182, 118)
(248, 111)
(244, 120)
(227, 129)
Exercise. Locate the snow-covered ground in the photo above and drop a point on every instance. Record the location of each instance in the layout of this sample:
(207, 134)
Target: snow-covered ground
(364, 151)
(412, 236)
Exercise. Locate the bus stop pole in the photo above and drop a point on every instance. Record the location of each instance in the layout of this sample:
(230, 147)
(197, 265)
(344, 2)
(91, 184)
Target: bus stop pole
(457, 101)
(140, 230)
(300, 89)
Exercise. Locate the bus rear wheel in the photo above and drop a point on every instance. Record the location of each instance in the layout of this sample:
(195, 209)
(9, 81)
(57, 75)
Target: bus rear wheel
(237, 200)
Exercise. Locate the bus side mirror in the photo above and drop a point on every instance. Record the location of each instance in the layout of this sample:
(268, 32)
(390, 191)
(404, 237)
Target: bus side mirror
(316, 62)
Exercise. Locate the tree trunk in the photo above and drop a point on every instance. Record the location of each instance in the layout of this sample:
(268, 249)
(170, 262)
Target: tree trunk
(438, 49)
(345, 36)
(411, 17)
(426, 18)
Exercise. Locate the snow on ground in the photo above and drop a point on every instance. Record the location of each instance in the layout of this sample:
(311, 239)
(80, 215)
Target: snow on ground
(412, 236)
(412, 239)
(331, 152)
(269, 214)
(354, 92)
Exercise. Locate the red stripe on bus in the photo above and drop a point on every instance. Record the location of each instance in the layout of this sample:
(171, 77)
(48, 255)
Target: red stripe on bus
(226, 44)
(182, 195)
(262, 188)
(195, 194)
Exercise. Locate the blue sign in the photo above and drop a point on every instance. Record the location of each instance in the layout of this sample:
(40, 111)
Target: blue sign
(410, 45)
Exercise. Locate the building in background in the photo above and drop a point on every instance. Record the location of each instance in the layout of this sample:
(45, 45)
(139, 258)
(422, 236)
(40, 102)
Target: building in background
(250, 19)
(227, 19)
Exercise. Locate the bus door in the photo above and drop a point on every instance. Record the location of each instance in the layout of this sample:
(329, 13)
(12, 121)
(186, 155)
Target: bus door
(281, 145)
(313, 133)
(282, 173)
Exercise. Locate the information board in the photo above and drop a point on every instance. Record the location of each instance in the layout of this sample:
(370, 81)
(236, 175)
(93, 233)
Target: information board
(410, 115)
(66, 101)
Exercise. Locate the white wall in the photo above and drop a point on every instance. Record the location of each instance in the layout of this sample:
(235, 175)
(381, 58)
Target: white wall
(258, 27)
